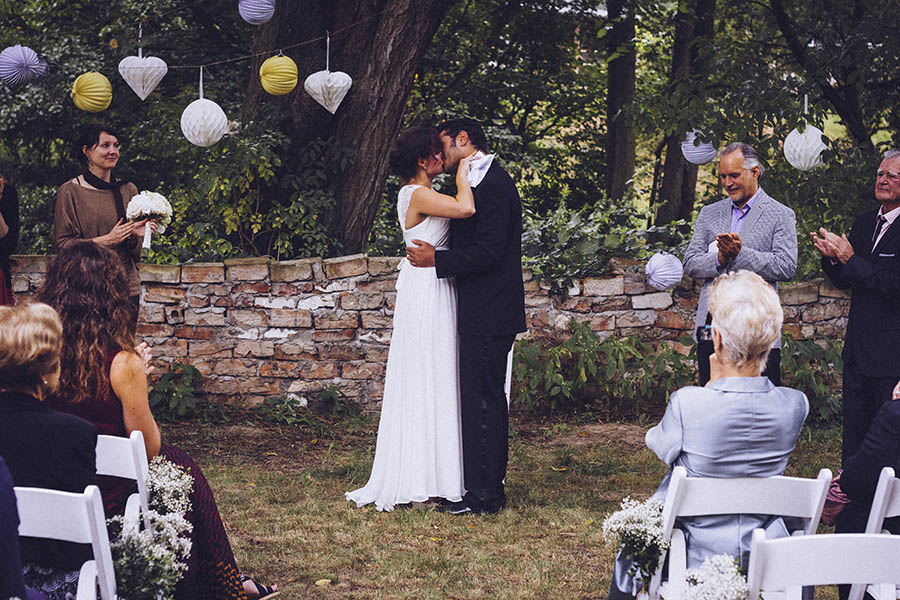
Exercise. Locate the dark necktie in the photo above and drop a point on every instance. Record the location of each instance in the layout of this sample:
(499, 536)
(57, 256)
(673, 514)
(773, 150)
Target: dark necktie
(878, 225)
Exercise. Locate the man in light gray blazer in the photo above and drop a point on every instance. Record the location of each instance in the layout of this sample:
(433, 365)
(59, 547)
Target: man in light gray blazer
(747, 230)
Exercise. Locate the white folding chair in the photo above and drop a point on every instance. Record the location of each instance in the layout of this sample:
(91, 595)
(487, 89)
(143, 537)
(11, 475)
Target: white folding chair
(703, 496)
(885, 504)
(126, 457)
(71, 517)
(787, 564)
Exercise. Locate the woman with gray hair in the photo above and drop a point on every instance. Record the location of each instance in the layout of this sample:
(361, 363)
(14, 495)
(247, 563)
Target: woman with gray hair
(738, 425)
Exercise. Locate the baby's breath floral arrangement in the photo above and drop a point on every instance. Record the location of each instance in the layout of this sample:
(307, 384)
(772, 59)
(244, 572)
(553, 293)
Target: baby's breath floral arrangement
(150, 560)
(718, 578)
(637, 528)
(149, 205)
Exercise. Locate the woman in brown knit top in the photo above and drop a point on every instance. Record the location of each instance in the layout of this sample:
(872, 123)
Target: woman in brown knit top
(92, 205)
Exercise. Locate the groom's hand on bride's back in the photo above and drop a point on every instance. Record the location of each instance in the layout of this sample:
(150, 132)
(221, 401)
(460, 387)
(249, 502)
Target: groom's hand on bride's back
(420, 254)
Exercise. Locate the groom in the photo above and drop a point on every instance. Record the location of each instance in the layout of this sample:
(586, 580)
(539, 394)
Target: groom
(485, 257)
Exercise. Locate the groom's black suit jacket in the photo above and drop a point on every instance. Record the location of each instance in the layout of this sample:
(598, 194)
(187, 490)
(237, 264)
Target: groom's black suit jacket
(485, 256)
(873, 274)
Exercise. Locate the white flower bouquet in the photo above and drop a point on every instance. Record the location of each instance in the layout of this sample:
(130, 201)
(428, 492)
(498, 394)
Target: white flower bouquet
(149, 205)
(637, 528)
(149, 562)
(718, 578)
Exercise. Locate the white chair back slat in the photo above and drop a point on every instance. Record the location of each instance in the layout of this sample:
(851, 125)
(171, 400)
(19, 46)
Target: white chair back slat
(885, 504)
(125, 457)
(789, 563)
(70, 517)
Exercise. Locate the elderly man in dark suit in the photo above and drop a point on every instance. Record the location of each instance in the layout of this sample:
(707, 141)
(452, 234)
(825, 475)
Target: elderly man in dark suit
(485, 257)
(747, 230)
(868, 262)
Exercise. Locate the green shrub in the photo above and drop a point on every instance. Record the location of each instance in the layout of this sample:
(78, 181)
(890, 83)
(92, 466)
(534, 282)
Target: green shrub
(619, 377)
(815, 369)
(174, 394)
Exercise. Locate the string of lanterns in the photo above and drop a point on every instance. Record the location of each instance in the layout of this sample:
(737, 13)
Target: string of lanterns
(203, 122)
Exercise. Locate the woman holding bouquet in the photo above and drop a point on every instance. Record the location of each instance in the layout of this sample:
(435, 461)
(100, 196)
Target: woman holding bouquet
(92, 206)
(738, 425)
(104, 380)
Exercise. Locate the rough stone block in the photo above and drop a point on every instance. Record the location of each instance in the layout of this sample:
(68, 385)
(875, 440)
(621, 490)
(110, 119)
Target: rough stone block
(636, 318)
(254, 348)
(218, 349)
(341, 352)
(345, 266)
(670, 319)
(527, 275)
(31, 263)
(151, 313)
(798, 293)
(334, 335)
(320, 370)
(822, 311)
(210, 317)
(316, 301)
(358, 301)
(531, 285)
(251, 287)
(195, 301)
(202, 273)
(247, 269)
(376, 320)
(581, 305)
(382, 265)
(827, 289)
(292, 270)
(164, 294)
(153, 330)
(172, 347)
(195, 333)
(362, 371)
(377, 354)
(536, 300)
(247, 318)
(275, 333)
(289, 289)
(237, 366)
(612, 303)
(20, 283)
(174, 315)
(291, 351)
(602, 323)
(327, 319)
(275, 302)
(160, 273)
(656, 300)
(282, 317)
(604, 286)
(279, 368)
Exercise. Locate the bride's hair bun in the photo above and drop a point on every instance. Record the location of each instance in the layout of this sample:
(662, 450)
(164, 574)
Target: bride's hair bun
(415, 143)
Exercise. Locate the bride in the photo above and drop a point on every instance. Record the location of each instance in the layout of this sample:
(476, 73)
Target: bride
(418, 454)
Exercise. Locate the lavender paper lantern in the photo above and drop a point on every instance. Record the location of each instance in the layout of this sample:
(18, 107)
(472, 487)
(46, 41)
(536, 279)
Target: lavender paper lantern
(697, 154)
(256, 12)
(20, 64)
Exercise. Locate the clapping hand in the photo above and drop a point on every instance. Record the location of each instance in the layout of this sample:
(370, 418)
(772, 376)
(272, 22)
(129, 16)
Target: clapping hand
(143, 351)
(832, 246)
(729, 245)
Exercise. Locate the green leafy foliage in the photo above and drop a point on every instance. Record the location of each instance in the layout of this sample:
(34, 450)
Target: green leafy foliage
(329, 408)
(174, 394)
(814, 368)
(619, 377)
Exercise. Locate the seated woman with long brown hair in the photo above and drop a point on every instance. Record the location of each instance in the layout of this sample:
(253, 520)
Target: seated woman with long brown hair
(104, 381)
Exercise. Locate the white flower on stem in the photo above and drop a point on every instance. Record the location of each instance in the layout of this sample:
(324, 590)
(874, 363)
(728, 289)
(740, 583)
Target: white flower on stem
(718, 578)
(637, 528)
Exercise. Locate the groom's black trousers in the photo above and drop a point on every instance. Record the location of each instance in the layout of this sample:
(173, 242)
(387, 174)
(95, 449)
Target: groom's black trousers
(485, 418)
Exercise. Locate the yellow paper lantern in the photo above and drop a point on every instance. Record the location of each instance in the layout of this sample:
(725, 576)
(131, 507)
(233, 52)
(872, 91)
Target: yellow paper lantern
(92, 92)
(278, 75)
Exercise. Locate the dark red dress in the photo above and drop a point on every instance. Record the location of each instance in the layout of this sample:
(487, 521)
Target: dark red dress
(212, 570)
(6, 295)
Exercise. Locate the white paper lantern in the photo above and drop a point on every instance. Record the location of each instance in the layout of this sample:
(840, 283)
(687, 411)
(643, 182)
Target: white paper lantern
(804, 150)
(142, 73)
(20, 64)
(256, 12)
(203, 122)
(697, 154)
(327, 88)
(664, 271)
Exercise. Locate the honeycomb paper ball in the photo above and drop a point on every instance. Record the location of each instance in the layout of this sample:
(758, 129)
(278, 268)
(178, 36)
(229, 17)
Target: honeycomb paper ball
(203, 122)
(92, 92)
(328, 88)
(697, 154)
(664, 271)
(142, 73)
(278, 75)
(256, 12)
(804, 150)
(20, 64)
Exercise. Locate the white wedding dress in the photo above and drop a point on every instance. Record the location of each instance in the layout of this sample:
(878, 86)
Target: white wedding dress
(418, 454)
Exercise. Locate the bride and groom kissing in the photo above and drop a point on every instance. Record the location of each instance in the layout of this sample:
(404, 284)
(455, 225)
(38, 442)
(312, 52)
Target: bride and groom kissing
(443, 432)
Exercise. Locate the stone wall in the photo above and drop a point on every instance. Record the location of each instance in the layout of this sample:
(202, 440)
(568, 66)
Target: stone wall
(257, 328)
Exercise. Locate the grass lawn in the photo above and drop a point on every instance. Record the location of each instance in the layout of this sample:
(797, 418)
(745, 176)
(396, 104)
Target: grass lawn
(280, 491)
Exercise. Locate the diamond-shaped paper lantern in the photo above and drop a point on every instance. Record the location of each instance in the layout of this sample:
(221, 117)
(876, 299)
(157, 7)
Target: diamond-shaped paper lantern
(142, 73)
(804, 150)
(278, 75)
(20, 64)
(92, 92)
(664, 271)
(203, 122)
(697, 153)
(256, 12)
(328, 88)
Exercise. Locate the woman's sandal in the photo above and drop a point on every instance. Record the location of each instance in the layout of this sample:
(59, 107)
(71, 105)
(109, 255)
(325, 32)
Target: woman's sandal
(264, 591)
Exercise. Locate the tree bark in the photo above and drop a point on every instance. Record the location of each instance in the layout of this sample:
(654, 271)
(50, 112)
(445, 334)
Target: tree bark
(621, 88)
(693, 26)
(380, 44)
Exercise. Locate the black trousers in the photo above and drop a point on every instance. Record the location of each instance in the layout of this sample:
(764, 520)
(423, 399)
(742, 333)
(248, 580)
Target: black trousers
(485, 419)
(862, 396)
(705, 350)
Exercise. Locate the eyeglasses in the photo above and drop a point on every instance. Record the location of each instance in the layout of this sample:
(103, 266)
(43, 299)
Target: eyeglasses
(891, 175)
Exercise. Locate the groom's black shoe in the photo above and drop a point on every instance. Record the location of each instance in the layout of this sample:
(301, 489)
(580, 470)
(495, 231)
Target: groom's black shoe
(454, 508)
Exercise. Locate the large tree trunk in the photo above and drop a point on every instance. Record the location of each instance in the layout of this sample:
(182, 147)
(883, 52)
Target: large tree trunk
(380, 44)
(693, 26)
(620, 131)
